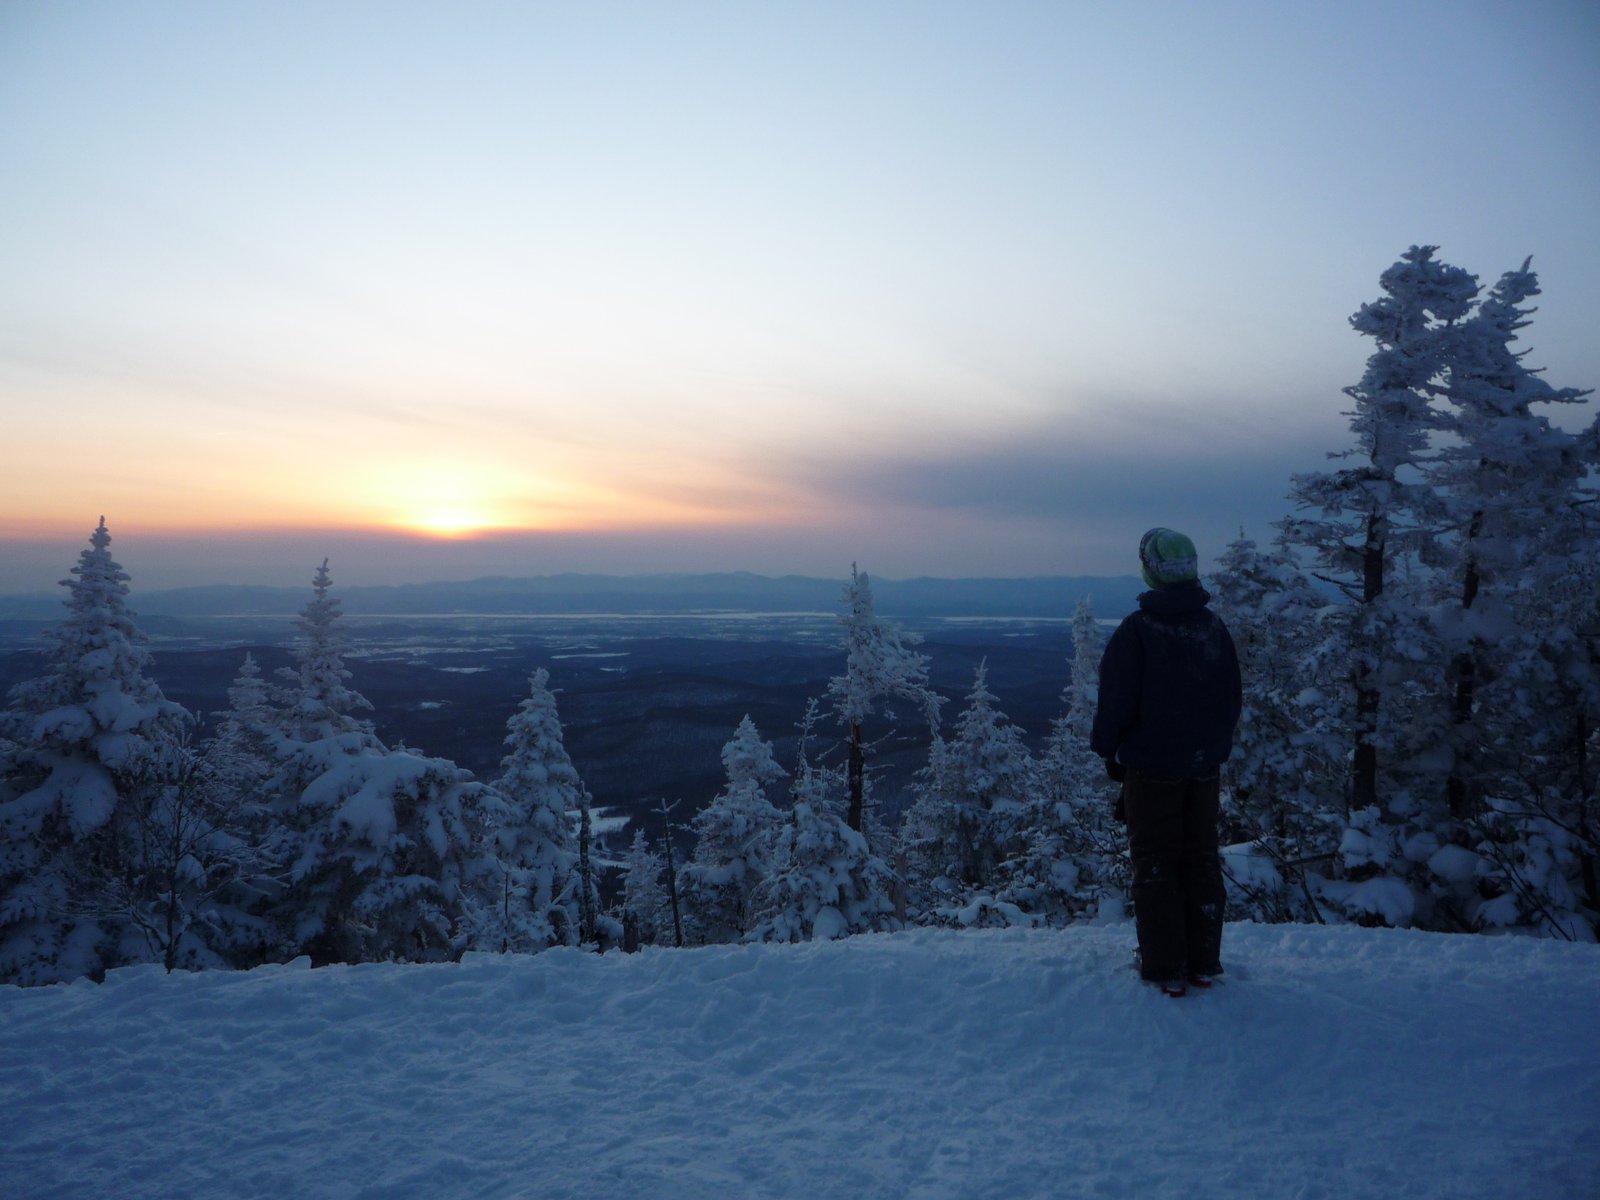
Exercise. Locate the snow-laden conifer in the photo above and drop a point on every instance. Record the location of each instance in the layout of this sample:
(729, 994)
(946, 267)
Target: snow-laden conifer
(1510, 480)
(824, 880)
(249, 698)
(1283, 799)
(879, 664)
(319, 701)
(1537, 837)
(385, 844)
(644, 907)
(1367, 527)
(1083, 687)
(534, 838)
(1361, 517)
(245, 744)
(95, 704)
(1070, 863)
(1520, 535)
(206, 863)
(80, 734)
(733, 847)
(965, 825)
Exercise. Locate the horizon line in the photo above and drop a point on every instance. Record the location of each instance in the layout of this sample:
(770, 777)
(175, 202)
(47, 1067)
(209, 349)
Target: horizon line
(596, 575)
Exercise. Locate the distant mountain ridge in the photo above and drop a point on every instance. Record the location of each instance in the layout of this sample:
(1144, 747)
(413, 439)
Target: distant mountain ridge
(736, 591)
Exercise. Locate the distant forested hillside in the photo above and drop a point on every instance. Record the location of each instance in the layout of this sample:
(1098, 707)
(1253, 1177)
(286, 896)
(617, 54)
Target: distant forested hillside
(1045, 596)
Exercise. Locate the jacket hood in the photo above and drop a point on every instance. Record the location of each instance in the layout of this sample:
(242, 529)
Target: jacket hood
(1171, 601)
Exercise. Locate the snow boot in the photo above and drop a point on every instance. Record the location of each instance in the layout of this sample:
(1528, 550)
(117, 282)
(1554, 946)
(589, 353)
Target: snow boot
(1174, 987)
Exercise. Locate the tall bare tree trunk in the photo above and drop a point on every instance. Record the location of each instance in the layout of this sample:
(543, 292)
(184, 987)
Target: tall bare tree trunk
(1465, 669)
(672, 892)
(505, 910)
(586, 916)
(672, 871)
(858, 778)
(1364, 782)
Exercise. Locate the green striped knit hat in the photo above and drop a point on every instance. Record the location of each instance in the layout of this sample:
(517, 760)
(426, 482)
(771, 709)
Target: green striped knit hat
(1168, 558)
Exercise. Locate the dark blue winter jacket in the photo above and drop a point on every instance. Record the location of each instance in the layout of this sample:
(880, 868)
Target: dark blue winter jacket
(1169, 687)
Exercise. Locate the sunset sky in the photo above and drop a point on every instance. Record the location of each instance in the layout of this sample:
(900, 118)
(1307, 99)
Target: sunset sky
(446, 290)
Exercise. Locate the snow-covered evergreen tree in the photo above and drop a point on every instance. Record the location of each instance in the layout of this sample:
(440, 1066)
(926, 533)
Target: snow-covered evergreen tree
(242, 762)
(318, 700)
(386, 845)
(245, 745)
(1057, 869)
(80, 734)
(1538, 835)
(1511, 481)
(1284, 799)
(879, 664)
(965, 826)
(733, 847)
(824, 880)
(1368, 514)
(644, 906)
(1083, 687)
(1518, 538)
(1372, 522)
(1466, 543)
(205, 863)
(390, 857)
(539, 901)
(1071, 860)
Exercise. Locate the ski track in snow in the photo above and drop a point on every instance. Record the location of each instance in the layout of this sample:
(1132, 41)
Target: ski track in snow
(1334, 1062)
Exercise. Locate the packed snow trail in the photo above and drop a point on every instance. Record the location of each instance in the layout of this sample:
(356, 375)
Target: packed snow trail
(1334, 1062)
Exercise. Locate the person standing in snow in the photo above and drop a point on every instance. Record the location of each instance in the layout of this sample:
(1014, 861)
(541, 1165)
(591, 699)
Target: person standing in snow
(1169, 700)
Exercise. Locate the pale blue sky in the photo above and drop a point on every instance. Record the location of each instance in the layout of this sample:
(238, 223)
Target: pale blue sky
(943, 288)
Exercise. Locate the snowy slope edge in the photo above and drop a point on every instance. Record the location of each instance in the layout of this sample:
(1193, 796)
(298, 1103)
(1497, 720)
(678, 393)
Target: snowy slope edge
(1335, 1061)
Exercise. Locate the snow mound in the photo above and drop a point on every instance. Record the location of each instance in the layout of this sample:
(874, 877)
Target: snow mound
(1332, 1062)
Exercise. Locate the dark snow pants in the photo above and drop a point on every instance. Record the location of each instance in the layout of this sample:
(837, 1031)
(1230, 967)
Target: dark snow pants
(1178, 896)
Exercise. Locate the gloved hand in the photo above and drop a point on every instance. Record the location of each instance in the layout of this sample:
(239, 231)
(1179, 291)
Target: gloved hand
(1115, 770)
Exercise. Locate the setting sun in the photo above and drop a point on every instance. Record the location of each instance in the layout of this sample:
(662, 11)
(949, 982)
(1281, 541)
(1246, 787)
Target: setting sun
(436, 500)
(450, 523)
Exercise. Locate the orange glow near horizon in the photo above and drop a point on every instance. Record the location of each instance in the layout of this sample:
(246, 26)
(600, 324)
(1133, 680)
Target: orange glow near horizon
(485, 497)
(431, 515)
(428, 484)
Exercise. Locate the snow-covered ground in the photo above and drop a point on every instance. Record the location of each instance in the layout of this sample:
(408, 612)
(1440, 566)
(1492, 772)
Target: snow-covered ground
(1335, 1062)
